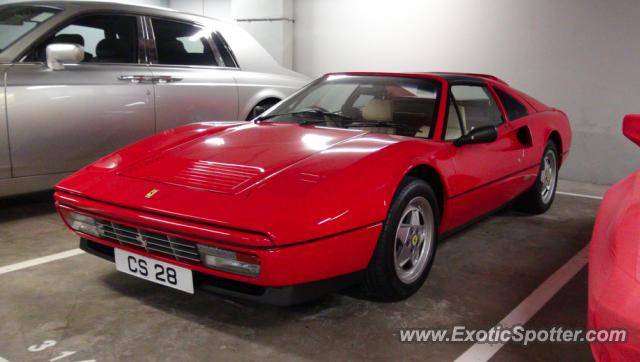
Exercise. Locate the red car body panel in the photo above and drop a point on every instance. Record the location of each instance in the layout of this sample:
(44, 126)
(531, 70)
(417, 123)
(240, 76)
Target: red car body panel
(631, 128)
(614, 270)
(614, 264)
(319, 193)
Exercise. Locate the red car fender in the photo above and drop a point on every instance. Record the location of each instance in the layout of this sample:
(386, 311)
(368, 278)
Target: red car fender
(327, 190)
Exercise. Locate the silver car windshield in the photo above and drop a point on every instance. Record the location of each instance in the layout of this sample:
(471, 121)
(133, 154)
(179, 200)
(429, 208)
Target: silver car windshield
(383, 104)
(18, 20)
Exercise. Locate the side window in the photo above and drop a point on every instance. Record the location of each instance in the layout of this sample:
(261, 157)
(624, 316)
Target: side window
(453, 131)
(105, 39)
(182, 44)
(475, 106)
(512, 106)
(225, 51)
(16, 21)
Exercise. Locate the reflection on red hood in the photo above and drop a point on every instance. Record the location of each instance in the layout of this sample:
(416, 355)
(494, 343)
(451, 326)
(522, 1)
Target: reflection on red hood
(261, 178)
(236, 158)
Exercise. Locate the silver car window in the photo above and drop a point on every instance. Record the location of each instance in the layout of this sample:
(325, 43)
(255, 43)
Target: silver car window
(180, 43)
(17, 21)
(105, 38)
(225, 51)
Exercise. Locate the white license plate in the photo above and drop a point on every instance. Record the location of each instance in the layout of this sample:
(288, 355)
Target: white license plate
(153, 270)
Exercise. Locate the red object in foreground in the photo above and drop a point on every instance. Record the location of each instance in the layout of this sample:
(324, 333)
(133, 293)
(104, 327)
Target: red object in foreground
(631, 127)
(294, 204)
(614, 263)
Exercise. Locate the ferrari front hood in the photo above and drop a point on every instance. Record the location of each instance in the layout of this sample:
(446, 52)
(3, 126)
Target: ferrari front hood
(237, 158)
(289, 182)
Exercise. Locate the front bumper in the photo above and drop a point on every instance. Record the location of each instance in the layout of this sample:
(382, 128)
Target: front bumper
(280, 296)
(288, 274)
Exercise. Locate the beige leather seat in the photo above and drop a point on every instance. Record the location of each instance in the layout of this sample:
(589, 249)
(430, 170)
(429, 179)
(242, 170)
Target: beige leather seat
(423, 132)
(378, 110)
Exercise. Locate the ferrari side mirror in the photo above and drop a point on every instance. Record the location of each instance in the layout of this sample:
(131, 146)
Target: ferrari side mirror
(485, 134)
(631, 127)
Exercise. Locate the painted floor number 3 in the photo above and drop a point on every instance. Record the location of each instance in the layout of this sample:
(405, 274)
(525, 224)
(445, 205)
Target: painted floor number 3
(51, 343)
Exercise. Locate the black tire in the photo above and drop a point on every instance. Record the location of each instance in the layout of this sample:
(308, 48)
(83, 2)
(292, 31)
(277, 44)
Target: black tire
(533, 201)
(261, 108)
(382, 281)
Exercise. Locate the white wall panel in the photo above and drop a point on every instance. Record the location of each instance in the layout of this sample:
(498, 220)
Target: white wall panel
(582, 56)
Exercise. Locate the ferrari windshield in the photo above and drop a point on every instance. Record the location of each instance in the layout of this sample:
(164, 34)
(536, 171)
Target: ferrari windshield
(18, 20)
(384, 104)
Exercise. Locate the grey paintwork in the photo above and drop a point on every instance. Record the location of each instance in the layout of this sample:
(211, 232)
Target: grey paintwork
(5, 162)
(54, 122)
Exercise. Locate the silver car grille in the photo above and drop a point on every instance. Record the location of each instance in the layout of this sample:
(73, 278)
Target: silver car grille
(180, 249)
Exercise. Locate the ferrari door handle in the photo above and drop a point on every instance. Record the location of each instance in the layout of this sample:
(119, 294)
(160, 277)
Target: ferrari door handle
(136, 78)
(166, 79)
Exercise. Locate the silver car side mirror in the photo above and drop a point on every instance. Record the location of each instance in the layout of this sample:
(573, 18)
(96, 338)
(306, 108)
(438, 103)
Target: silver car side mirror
(58, 54)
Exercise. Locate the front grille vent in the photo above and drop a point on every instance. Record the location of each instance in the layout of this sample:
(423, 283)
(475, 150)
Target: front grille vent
(178, 248)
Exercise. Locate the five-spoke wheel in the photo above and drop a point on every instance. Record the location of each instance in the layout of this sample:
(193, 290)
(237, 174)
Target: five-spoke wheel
(407, 244)
(540, 197)
(413, 239)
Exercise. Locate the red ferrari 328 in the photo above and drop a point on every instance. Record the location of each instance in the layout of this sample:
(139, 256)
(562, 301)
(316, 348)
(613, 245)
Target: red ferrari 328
(351, 180)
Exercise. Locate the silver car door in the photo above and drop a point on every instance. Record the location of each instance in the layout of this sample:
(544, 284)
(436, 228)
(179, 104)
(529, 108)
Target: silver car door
(5, 161)
(190, 84)
(62, 120)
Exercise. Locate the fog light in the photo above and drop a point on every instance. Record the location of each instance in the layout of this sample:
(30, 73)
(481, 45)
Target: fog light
(230, 261)
(82, 223)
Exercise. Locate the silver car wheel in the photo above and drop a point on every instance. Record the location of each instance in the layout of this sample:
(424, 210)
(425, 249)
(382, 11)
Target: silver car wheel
(548, 176)
(414, 238)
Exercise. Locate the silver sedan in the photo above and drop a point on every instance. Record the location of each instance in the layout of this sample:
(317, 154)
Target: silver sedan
(81, 79)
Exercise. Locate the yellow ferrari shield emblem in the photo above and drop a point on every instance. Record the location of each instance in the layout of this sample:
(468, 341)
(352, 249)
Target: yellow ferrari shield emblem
(151, 193)
(414, 240)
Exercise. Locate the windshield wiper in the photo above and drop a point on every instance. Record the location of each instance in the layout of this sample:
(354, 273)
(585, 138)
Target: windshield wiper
(380, 124)
(345, 121)
(309, 112)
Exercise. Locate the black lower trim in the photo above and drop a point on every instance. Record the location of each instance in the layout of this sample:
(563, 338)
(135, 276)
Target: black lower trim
(476, 220)
(492, 182)
(281, 296)
(97, 249)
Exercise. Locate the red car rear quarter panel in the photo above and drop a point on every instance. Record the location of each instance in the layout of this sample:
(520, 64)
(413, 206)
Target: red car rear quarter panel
(542, 120)
(541, 125)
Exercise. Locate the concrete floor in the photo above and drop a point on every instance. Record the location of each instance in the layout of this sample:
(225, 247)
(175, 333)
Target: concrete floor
(479, 276)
